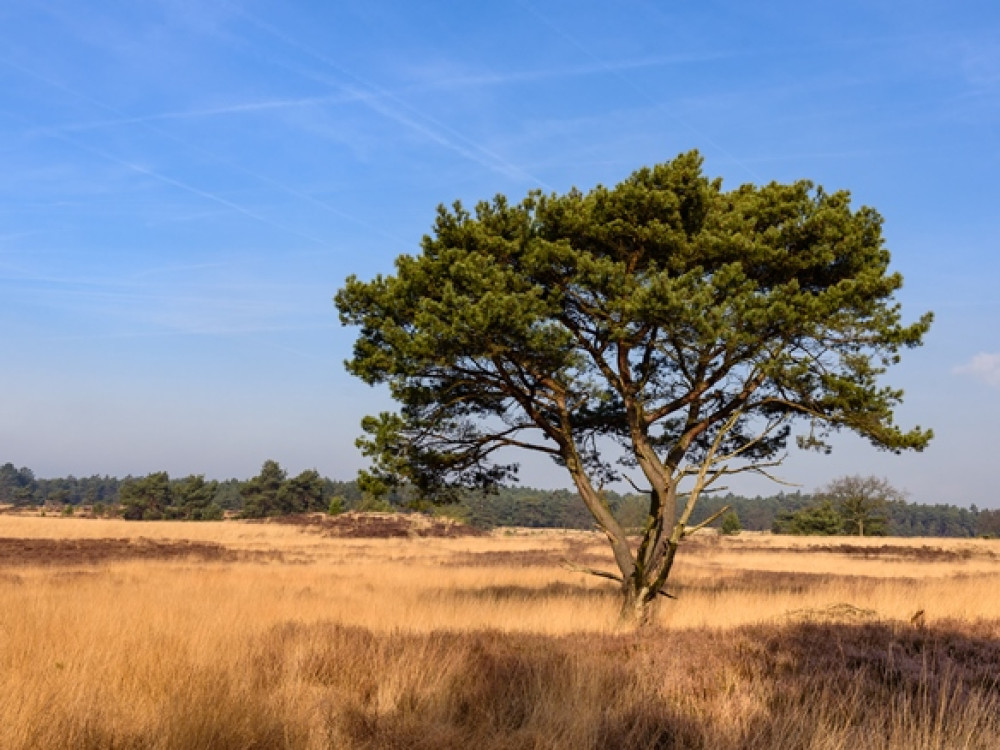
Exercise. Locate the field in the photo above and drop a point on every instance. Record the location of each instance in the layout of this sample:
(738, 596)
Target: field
(376, 634)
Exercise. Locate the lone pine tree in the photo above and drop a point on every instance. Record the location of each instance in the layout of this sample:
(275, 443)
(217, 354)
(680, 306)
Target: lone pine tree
(688, 324)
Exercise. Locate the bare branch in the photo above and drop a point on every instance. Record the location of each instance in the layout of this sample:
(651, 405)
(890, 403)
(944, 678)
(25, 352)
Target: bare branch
(725, 471)
(773, 478)
(635, 487)
(509, 442)
(591, 571)
(689, 530)
(571, 566)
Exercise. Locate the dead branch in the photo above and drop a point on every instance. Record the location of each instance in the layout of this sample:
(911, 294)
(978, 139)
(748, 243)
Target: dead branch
(689, 530)
(591, 571)
(604, 574)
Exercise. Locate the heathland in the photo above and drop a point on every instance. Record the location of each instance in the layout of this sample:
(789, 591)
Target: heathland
(160, 497)
(380, 631)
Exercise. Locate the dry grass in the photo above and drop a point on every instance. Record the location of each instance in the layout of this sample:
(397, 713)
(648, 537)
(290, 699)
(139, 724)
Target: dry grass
(269, 635)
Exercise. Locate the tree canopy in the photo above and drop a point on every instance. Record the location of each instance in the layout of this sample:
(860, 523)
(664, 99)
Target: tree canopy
(272, 493)
(688, 323)
(863, 503)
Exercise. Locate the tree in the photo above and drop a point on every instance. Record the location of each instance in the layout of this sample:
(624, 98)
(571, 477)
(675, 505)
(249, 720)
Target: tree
(260, 494)
(988, 523)
(863, 503)
(730, 525)
(146, 499)
(300, 494)
(272, 493)
(821, 519)
(194, 499)
(17, 486)
(688, 324)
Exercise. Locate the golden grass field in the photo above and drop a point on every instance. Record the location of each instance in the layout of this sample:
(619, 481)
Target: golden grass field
(117, 634)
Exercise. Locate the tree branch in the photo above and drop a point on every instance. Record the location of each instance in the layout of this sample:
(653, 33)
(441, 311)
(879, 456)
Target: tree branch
(604, 574)
(591, 571)
(689, 530)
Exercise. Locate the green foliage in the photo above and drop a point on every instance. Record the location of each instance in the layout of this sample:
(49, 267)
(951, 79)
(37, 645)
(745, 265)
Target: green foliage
(349, 491)
(227, 495)
(301, 493)
(731, 525)
(821, 519)
(260, 493)
(156, 497)
(527, 507)
(863, 503)
(73, 490)
(911, 519)
(781, 293)
(375, 504)
(146, 499)
(848, 505)
(904, 519)
(756, 513)
(689, 324)
(632, 511)
(17, 486)
(517, 506)
(988, 523)
(337, 506)
(194, 500)
(272, 493)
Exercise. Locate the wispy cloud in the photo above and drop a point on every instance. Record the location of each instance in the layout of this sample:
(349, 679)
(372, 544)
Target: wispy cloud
(148, 122)
(437, 77)
(984, 367)
(387, 104)
(432, 79)
(238, 108)
(178, 300)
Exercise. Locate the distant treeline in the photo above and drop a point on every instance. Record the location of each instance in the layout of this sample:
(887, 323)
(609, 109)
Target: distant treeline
(157, 496)
(903, 519)
(273, 493)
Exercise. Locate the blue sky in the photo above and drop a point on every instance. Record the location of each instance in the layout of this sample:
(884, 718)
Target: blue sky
(185, 184)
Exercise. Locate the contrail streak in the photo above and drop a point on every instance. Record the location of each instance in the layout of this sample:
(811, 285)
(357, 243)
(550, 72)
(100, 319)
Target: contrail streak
(125, 118)
(230, 109)
(191, 189)
(446, 135)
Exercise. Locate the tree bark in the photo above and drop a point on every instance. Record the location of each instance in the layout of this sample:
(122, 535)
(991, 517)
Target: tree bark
(638, 605)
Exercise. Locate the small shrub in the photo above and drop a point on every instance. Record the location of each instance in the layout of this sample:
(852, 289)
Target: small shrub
(731, 525)
(373, 504)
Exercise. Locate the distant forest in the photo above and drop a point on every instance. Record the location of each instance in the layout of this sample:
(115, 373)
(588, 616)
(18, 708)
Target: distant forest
(273, 493)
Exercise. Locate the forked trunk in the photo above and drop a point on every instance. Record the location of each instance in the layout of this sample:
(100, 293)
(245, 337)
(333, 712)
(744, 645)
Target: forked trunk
(638, 605)
(642, 590)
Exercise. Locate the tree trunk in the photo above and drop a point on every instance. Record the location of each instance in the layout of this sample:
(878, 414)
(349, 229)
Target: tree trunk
(637, 606)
